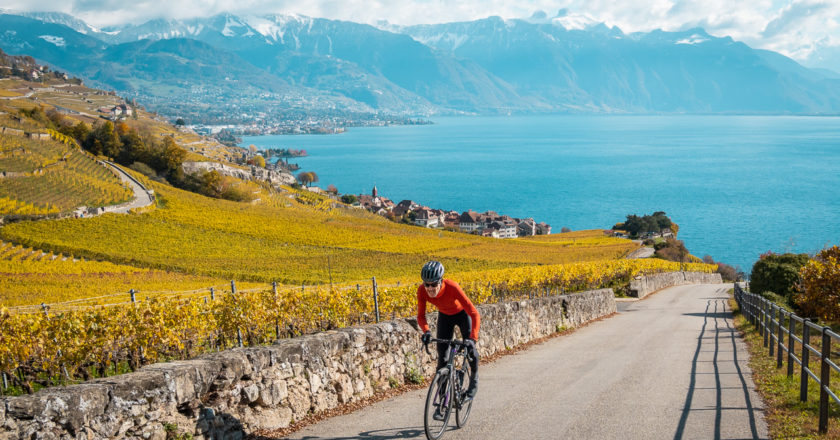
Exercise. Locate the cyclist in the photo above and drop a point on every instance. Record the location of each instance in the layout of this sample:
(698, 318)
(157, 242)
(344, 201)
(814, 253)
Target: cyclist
(454, 309)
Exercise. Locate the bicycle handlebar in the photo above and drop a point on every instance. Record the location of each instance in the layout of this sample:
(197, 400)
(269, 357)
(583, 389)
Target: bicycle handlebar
(457, 342)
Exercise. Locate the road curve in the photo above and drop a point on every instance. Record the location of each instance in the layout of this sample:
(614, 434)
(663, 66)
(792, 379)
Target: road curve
(669, 367)
(141, 195)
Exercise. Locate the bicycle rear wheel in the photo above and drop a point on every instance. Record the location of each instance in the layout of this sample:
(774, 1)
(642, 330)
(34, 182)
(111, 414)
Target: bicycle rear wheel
(462, 411)
(438, 400)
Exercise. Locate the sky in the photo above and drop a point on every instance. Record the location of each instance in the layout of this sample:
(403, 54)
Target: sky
(805, 30)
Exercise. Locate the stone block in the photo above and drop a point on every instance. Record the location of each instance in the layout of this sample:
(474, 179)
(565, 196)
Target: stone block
(250, 393)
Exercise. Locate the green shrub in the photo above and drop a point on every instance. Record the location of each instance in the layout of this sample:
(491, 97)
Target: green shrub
(777, 273)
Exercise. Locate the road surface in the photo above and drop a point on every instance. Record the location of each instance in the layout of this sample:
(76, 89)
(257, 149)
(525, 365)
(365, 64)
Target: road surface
(668, 367)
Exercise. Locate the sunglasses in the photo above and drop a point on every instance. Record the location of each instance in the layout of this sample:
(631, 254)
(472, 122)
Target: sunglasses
(432, 284)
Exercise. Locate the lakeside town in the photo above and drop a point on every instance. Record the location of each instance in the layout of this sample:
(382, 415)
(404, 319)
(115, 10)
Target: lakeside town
(487, 224)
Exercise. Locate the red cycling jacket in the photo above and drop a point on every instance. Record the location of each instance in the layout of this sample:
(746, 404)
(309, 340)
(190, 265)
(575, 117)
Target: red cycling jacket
(450, 300)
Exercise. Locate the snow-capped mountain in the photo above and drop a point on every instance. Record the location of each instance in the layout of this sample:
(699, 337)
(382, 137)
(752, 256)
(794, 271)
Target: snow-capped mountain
(566, 62)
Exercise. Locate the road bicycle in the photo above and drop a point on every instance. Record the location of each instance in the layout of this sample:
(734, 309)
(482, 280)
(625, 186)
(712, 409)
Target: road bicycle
(446, 394)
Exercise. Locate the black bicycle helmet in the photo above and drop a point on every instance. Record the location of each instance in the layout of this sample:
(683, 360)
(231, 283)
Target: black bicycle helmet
(432, 272)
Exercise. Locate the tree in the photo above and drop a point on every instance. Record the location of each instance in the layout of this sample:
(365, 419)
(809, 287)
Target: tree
(252, 148)
(564, 230)
(820, 296)
(349, 199)
(259, 161)
(332, 189)
(777, 273)
(103, 140)
(171, 157)
(180, 122)
(305, 177)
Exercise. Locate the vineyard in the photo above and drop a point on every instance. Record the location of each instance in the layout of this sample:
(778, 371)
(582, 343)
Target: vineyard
(30, 276)
(53, 177)
(291, 238)
(77, 345)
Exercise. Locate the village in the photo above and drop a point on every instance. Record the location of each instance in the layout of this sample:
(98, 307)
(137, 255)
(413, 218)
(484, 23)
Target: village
(487, 224)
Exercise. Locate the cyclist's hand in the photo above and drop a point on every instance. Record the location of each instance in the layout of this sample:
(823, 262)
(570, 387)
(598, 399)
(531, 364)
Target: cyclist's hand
(470, 343)
(426, 338)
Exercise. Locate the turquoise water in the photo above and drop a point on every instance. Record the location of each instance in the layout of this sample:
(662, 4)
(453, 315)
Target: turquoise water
(737, 185)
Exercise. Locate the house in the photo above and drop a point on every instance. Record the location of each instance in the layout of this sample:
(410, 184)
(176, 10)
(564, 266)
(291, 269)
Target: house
(452, 219)
(526, 227)
(426, 218)
(404, 207)
(504, 229)
(469, 222)
(543, 229)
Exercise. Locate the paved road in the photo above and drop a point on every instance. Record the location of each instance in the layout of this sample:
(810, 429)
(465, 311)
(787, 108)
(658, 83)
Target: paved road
(141, 197)
(668, 367)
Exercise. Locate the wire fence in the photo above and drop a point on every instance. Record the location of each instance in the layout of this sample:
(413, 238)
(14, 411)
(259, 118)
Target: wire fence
(793, 340)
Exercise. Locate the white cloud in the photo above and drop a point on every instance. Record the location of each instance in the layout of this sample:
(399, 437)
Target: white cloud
(797, 28)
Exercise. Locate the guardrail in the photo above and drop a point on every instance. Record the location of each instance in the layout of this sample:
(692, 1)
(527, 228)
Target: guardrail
(778, 327)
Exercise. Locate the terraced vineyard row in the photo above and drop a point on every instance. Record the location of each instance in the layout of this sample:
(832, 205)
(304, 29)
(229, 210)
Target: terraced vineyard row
(282, 239)
(31, 276)
(78, 344)
(71, 179)
(20, 154)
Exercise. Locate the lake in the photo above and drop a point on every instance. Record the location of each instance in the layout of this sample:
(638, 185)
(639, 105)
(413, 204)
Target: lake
(737, 186)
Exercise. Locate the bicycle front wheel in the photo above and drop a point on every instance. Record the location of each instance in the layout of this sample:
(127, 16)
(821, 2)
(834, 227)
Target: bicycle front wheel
(438, 405)
(462, 412)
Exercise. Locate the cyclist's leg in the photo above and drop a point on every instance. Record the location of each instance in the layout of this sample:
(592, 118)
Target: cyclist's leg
(464, 323)
(445, 330)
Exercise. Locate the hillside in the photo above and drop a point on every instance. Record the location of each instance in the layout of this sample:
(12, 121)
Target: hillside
(285, 237)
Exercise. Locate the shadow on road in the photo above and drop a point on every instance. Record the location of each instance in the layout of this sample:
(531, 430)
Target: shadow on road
(723, 333)
(385, 434)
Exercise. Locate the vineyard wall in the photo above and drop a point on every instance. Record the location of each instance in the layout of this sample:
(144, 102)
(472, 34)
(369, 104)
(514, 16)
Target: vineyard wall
(223, 395)
(644, 286)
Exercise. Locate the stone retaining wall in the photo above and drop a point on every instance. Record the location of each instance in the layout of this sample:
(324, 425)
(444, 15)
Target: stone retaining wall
(644, 286)
(223, 395)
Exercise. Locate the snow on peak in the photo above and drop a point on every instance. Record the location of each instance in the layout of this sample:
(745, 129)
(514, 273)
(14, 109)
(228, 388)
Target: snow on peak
(573, 21)
(275, 26)
(58, 41)
(230, 23)
(694, 39)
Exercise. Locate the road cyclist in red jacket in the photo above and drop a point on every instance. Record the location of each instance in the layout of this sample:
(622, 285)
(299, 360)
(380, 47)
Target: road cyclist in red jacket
(454, 309)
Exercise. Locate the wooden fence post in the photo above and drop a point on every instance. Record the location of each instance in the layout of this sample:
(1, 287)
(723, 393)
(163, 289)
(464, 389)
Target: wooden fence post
(133, 297)
(276, 321)
(791, 332)
(232, 287)
(375, 299)
(825, 376)
(780, 339)
(212, 294)
(772, 346)
(806, 357)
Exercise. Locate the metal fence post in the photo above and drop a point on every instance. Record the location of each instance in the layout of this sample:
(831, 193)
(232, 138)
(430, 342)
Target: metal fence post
(212, 294)
(375, 299)
(825, 375)
(232, 287)
(806, 355)
(791, 332)
(133, 296)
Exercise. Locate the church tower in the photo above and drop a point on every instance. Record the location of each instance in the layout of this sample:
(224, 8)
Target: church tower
(374, 192)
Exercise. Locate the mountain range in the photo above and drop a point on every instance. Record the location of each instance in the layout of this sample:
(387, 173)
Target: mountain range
(487, 66)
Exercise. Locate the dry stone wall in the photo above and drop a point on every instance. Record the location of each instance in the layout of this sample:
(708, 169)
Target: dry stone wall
(224, 395)
(644, 286)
